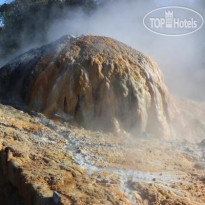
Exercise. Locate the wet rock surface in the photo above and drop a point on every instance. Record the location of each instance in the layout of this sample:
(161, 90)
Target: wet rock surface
(95, 81)
(86, 167)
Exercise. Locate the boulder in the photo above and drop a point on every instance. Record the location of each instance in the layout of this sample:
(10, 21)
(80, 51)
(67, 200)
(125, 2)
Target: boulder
(98, 82)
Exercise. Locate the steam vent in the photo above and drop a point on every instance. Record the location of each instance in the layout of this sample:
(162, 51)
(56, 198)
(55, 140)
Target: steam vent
(94, 81)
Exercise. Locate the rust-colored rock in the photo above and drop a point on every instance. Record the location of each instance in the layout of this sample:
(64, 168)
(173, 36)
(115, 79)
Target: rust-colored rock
(86, 167)
(95, 81)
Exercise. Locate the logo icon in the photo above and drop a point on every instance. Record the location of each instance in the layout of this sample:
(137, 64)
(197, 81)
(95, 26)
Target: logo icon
(169, 18)
(173, 21)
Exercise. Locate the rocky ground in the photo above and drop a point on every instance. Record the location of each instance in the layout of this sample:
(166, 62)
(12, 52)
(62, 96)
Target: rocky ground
(87, 167)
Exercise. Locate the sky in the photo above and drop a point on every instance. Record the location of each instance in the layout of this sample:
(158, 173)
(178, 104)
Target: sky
(4, 1)
(1, 2)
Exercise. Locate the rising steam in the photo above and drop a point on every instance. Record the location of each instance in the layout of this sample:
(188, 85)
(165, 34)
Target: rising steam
(180, 58)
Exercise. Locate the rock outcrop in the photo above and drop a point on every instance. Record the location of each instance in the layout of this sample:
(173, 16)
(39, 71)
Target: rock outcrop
(95, 81)
(39, 157)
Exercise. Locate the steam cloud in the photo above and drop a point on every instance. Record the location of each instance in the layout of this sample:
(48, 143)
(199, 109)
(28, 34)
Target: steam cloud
(180, 58)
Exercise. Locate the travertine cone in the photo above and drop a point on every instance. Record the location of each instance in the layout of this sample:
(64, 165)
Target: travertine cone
(98, 82)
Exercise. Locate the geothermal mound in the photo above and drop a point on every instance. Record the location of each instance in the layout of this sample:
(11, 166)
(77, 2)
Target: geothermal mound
(95, 81)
